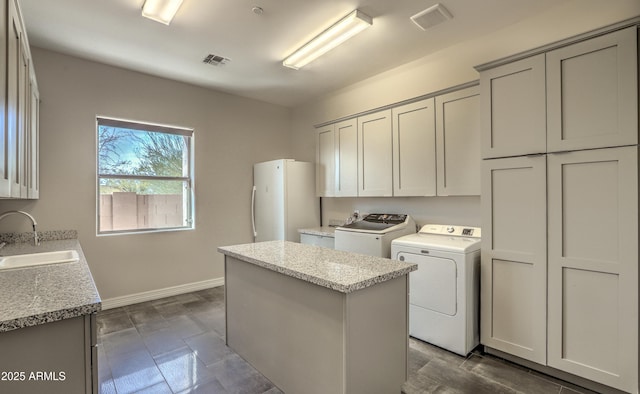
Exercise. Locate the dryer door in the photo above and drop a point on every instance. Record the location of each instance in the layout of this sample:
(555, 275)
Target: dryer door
(433, 286)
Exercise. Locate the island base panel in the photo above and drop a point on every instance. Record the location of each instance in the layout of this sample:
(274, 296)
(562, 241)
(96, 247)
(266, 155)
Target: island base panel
(310, 339)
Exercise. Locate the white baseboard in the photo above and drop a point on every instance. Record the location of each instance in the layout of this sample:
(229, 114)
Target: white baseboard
(136, 298)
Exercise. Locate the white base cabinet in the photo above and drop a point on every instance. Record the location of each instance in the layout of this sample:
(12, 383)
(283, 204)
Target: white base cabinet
(57, 358)
(317, 240)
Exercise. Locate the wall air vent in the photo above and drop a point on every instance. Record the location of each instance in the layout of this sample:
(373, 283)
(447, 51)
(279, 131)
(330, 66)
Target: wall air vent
(215, 60)
(432, 16)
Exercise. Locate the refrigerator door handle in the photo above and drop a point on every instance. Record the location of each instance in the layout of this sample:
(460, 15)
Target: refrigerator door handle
(253, 212)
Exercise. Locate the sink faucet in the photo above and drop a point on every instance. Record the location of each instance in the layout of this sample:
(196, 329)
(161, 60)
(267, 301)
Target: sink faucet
(36, 240)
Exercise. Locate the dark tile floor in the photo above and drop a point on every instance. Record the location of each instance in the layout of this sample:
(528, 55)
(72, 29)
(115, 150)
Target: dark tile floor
(176, 345)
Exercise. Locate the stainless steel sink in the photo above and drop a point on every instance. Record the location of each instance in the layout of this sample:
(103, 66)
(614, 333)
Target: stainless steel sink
(35, 259)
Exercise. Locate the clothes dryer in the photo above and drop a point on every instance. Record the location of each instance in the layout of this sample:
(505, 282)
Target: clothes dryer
(444, 292)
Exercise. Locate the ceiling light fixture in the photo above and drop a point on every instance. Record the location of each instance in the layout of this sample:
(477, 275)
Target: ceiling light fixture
(161, 11)
(338, 33)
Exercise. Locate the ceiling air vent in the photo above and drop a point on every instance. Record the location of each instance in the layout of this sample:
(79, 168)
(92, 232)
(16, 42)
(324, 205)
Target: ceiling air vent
(432, 16)
(215, 60)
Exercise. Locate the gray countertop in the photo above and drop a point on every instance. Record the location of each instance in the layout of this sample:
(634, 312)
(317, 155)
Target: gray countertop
(324, 231)
(337, 270)
(36, 295)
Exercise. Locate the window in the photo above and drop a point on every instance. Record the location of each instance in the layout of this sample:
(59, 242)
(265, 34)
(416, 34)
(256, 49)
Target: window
(145, 177)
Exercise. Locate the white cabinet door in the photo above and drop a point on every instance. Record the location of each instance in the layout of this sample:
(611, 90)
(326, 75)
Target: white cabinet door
(24, 121)
(593, 265)
(592, 93)
(513, 266)
(13, 99)
(513, 105)
(414, 149)
(5, 185)
(375, 178)
(346, 151)
(458, 142)
(325, 162)
(19, 159)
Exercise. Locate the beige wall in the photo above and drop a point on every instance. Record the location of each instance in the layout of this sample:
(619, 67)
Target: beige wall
(231, 133)
(441, 70)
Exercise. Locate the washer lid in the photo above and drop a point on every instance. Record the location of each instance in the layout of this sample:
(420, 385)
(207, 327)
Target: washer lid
(445, 243)
(379, 223)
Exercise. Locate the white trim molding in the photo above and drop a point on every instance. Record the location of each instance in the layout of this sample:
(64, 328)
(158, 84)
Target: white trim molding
(151, 295)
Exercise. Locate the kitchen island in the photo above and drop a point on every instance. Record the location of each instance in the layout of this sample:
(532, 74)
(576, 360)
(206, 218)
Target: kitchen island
(316, 320)
(47, 322)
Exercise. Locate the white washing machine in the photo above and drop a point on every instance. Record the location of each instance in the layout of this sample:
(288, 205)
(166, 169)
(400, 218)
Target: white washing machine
(444, 292)
(373, 234)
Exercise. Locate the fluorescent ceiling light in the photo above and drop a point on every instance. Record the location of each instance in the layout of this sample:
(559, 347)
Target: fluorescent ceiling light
(161, 11)
(340, 32)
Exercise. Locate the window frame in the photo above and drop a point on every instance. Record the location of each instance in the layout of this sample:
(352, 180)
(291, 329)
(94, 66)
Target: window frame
(188, 180)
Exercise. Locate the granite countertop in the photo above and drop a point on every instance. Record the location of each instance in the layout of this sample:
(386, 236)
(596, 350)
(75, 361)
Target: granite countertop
(337, 270)
(324, 231)
(36, 295)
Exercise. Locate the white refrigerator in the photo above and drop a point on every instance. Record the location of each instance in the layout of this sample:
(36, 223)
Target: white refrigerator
(283, 200)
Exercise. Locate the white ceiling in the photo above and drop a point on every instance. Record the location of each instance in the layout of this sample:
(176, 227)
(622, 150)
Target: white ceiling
(114, 32)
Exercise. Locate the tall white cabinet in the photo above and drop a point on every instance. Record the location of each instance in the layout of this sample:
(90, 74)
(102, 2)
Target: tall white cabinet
(514, 256)
(593, 265)
(560, 208)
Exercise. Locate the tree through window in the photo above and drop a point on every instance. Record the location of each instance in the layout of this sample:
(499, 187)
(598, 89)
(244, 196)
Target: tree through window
(145, 177)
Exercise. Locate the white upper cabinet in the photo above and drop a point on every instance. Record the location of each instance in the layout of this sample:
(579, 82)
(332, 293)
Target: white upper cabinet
(513, 108)
(429, 147)
(375, 177)
(19, 109)
(592, 93)
(325, 162)
(458, 142)
(414, 149)
(346, 151)
(5, 178)
(14, 109)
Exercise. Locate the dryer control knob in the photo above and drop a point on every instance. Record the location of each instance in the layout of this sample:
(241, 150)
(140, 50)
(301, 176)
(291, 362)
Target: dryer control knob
(401, 258)
(450, 230)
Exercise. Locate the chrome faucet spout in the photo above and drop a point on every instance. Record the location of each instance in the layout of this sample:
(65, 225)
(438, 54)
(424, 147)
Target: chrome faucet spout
(36, 239)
